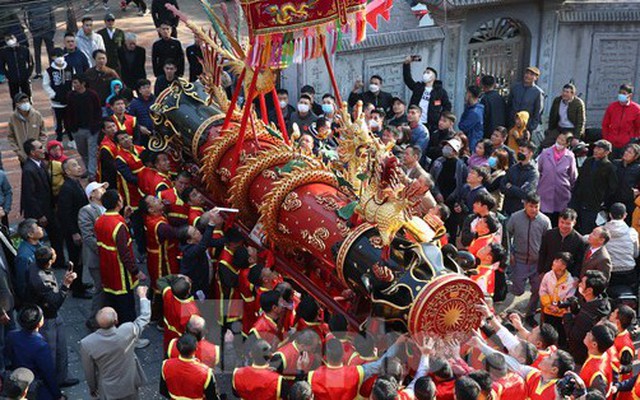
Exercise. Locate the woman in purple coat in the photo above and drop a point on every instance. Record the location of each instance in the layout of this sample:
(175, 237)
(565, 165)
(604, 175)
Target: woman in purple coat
(558, 174)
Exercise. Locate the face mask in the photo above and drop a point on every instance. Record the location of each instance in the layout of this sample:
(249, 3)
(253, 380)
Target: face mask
(303, 108)
(374, 88)
(622, 98)
(59, 60)
(327, 108)
(447, 152)
(427, 77)
(25, 107)
(493, 161)
(373, 124)
(521, 157)
(11, 42)
(560, 146)
(283, 104)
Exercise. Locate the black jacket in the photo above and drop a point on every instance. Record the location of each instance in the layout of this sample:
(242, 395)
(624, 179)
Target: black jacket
(16, 63)
(45, 291)
(163, 50)
(434, 150)
(628, 178)
(524, 180)
(382, 100)
(596, 182)
(495, 112)
(160, 14)
(194, 256)
(132, 72)
(36, 199)
(553, 243)
(70, 200)
(438, 102)
(60, 82)
(194, 55)
(577, 326)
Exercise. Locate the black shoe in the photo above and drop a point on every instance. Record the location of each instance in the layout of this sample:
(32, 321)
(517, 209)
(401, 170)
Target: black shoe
(37, 76)
(69, 382)
(87, 286)
(82, 295)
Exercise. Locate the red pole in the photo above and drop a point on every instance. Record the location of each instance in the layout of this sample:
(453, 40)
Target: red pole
(234, 100)
(334, 83)
(263, 109)
(245, 118)
(283, 126)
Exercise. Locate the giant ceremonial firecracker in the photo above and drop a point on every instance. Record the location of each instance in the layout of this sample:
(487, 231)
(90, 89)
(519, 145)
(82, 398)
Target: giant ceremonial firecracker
(334, 226)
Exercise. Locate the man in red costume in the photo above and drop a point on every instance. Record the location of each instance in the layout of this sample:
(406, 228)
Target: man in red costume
(178, 305)
(107, 152)
(125, 122)
(153, 178)
(597, 372)
(207, 352)
(177, 210)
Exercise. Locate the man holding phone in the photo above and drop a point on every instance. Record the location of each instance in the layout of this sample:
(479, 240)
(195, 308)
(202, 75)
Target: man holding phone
(374, 95)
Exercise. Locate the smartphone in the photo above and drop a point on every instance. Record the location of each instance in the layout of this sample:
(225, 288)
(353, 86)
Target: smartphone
(70, 266)
(416, 58)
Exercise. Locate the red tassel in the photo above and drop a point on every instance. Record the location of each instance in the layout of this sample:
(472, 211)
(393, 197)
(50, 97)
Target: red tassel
(386, 253)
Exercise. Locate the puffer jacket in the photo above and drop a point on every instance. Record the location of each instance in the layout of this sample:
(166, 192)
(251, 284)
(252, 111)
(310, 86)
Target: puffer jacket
(623, 246)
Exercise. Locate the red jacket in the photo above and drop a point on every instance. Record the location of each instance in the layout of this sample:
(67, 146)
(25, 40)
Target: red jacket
(621, 123)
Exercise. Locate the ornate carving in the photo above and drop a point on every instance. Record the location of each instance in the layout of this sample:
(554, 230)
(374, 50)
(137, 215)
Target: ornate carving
(291, 202)
(282, 228)
(327, 202)
(343, 229)
(376, 241)
(317, 238)
(270, 174)
(225, 174)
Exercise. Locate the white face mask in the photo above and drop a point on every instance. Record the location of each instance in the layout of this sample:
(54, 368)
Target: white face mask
(427, 76)
(11, 42)
(25, 107)
(560, 146)
(303, 108)
(283, 104)
(374, 88)
(59, 60)
(373, 124)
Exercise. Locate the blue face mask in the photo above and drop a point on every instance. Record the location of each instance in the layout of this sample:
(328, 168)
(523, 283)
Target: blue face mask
(493, 161)
(327, 108)
(622, 98)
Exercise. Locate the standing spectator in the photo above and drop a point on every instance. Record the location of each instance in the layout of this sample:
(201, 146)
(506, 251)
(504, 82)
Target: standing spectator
(17, 385)
(88, 41)
(108, 358)
(442, 134)
(114, 248)
(558, 174)
(113, 39)
(584, 314)
(140, 110)
(418, 134)
(596, 256)
(556, 287)
(464, 199)
(124, 122)
(87, 217)
(41, 22)
(623, 247)
(70, 200)
(526, 228)
(526, 96)
(628, 172)
(499, 164)
(99, 76)
(160, 14)
(31, 233)
(36, 196)
(57, 84)
(107, 153)
(27, 348)
(429, 94)
(168, 76)
(376, 122)
(132, 59)
(472, 119)
(481, 154)
(74, 57)
(373, 95)
(286, 108)
(520, 180)
(303, 117)
(567, 114)
(597, 180)
(315, 107)
(495, 108)
(498, 141)
(6, 201)
(194, 55)
(398, 113)
(46, 292)
(16, 64)
(449, 172)
(564, 238)
(166, 48)
(621, 121)
(519, 130)
(25, 123)
(83, 116)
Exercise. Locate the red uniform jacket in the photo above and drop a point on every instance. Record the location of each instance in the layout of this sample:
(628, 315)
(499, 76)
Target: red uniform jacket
(538, 390)
(206, 352)
(596, 366)
(256, 383)
(367, 386)
(177, 210)
(510, 387)
(542, 354)
(112, 149)
(444, 389)
(186, 378)
(129, 191)
(194, 215)
(267, 329)
(176, 315)
(151, 182)
(128, 124)
(162, 255)
(116, 278)
(623, 343)
(336, 383)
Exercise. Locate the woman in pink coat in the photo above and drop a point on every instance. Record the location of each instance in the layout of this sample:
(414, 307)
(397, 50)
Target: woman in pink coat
(558, 174)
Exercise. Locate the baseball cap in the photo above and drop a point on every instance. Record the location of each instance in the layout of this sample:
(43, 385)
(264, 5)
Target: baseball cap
(535, 70)
(398, 99)
(93, 186)
(603, 144)
(18, 382)
(109, 17)
(455, 144)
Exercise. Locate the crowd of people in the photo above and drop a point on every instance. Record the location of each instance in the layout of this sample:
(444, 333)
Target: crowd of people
(536, 211)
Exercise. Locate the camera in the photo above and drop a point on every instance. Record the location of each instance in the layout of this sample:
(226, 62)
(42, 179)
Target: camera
(570, 303)
(567, 387)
